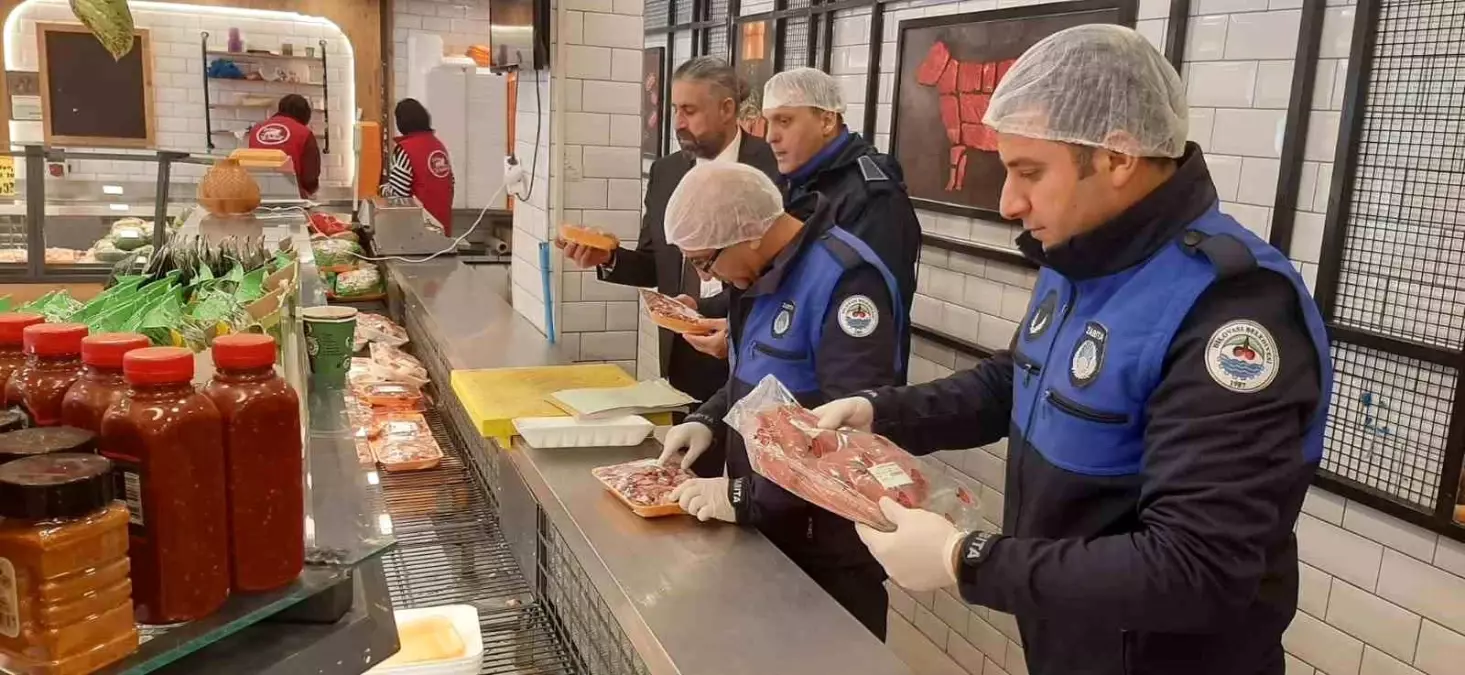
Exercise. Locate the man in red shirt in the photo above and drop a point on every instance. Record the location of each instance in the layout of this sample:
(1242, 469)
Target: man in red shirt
(420, 165)
(289, 130)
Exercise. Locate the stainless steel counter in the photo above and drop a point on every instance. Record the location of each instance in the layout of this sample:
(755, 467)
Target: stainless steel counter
(689, 598)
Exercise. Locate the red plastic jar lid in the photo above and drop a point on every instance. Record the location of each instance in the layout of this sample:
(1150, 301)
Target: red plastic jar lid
(12, 324)
(244, 350)
(158, 365)
(105, 350)
(54, 339)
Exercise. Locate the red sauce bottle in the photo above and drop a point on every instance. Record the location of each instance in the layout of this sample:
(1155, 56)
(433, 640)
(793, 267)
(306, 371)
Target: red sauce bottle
(12, 355)
(168, 446)
(52, 365)
(262, 450)
(101, 382)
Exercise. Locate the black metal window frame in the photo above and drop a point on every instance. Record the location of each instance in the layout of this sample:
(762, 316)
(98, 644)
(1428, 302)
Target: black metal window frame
(1361, 188)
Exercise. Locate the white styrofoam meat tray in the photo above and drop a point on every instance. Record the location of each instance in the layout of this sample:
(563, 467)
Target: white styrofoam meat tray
(465, 621)
(568, 432)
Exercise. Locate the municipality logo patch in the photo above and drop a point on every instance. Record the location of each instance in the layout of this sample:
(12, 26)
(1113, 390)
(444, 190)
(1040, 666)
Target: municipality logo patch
(1242, 356)
(437, 163)
(858, 316)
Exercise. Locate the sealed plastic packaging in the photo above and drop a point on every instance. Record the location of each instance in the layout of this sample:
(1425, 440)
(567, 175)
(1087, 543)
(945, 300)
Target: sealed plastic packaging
(397, 365)
(65, 596)
(846, 471)
(402, 441)
(377, 328)
(644, 485)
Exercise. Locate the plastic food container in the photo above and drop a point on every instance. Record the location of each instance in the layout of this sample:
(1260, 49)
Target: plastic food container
(464, 619)
(568, 432)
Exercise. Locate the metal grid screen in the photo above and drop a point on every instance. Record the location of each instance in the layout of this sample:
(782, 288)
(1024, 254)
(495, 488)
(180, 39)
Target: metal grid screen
(655, 13)
(683, 11)
(600, 646)
(1389, 422)
(1402, 268)
(795, 41)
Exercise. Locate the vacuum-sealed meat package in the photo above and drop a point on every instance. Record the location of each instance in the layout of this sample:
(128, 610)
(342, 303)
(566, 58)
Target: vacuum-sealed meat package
(644, 485)
(844, 471)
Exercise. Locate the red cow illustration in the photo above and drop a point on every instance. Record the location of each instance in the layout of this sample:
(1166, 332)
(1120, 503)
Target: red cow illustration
(966, 91)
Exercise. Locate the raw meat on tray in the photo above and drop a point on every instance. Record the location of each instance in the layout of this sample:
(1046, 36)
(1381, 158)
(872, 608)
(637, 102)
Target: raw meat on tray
(843, 471)
(644, 485)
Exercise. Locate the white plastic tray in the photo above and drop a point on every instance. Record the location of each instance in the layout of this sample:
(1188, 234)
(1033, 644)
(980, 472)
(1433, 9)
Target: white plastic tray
(568, 432)
(465, 621)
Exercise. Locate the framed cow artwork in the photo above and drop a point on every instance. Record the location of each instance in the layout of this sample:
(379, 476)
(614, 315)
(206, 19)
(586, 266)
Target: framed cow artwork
(946, 70)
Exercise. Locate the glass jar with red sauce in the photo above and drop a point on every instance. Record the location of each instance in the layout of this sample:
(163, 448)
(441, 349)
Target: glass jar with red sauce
(167, 442)
(65, 606)
(263, 453)
(101, 382)
(52, 365)
(12, 353)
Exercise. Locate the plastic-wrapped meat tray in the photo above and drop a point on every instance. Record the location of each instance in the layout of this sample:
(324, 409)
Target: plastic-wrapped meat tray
(644, 486)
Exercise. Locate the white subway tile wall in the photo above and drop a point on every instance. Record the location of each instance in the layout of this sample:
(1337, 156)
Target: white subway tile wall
(175, 37)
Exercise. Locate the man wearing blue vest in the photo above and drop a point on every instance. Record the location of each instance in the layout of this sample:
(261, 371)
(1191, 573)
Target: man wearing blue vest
(1164, 399)
(812, 305)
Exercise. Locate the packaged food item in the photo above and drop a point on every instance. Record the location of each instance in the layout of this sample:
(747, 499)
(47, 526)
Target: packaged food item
(377, 328)
(593, 237)
(65, 596)
(845, 471)
(335, 254)
(359, 282)
(167, 441)
(666, 312)
(53, 364)
(265, 462)
(644, 485)
(23, 443)
(358, 416)
(101, 382)
(392, 396)
(12, 352)
(399, 365)
(404, 442)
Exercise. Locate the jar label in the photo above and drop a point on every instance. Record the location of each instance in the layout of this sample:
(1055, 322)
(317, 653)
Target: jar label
(9, 601)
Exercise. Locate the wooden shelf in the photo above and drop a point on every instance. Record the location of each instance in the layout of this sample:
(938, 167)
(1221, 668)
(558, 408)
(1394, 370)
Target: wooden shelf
(264, 56)
(243, 79)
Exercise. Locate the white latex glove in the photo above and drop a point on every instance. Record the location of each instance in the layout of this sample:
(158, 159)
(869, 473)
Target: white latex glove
(856, 412)
(694, 437)
(705, 498)
(920, 555)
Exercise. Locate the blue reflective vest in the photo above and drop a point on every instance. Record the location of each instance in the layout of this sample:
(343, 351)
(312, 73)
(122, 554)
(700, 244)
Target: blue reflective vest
(783, 329)
(1089, 354)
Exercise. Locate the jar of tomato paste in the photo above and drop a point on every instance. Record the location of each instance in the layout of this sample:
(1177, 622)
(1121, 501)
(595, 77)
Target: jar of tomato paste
(101, 382)
(66, 607)
(12, 353)
(52, 365)
(168, 445)
(262, 450)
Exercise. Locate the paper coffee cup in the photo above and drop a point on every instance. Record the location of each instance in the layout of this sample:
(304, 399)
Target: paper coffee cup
(328, 336)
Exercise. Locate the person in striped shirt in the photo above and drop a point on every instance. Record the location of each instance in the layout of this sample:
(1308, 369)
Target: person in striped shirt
(420, 165)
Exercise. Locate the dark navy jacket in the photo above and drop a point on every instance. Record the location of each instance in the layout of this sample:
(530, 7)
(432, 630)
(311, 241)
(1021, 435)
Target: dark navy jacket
(866, 190)
(827, 321)
(1165, 399)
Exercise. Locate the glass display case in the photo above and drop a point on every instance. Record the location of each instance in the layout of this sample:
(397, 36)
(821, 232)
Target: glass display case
(71, 216)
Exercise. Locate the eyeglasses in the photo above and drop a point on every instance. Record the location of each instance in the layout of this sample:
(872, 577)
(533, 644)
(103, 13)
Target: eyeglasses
(704, 265)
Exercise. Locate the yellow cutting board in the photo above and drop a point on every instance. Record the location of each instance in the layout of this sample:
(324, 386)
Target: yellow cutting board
(495, 396)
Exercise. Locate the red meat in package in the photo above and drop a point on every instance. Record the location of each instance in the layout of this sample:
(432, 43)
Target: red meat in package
(844, 471)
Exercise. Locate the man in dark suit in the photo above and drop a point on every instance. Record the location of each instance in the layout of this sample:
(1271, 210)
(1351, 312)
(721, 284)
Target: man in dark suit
(705, 95)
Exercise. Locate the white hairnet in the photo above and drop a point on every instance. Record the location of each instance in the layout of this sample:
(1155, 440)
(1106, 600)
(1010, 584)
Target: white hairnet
(803, 88)
(1098, 85)
(719, 204)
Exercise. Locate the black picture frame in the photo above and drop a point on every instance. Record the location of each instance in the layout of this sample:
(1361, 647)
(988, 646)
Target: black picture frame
(653, 101)
(930, 182)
